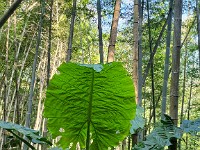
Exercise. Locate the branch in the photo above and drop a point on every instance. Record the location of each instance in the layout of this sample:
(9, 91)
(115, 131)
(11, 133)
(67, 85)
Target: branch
(9, 12)
(155, 49)
(188, 32)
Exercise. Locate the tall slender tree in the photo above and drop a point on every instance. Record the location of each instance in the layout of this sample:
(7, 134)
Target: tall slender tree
(152, 65)
(31, 93)
(183, 90)
(166, 67)
(174, 89)
(136, 62)
(189, 107)
(100, 31)
(5, 100)
(48, 64)
(140, 8)
(71, 32)
(135, 48)
(113, 31)
(198, 27)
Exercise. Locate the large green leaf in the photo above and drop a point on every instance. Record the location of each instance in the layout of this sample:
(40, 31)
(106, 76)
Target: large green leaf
(95, 100)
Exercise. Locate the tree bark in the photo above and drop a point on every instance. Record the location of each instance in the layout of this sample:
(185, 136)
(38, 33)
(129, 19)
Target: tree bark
(100, 31)
(137, 60)
(198, 27)
(141, 6)
(71, 32)
(135, 48)
(113, 31)
(166, 67)
(9, 12)
(174, 90)
(152, 65)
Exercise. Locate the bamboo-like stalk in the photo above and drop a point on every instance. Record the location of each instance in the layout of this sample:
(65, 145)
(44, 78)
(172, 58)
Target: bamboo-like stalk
(100, 31)
(152, 65)
(9, 107)
(15, 64)
(71, 33)
(174, 89)
(141, 7)
(166, 67)
(5, 102)
(135, 59)
(198, 27)
(188, 108)
(183, 91)
(41, 72)
(113, 31)
(44, 147)
(135, 48)
(30, 99)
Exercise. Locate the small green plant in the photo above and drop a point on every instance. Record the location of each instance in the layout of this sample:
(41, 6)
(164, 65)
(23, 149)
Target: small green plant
(163, 132)
(90, 104)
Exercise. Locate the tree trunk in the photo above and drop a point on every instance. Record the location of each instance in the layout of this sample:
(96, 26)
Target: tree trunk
(100, 31)
(183, 91)
(113, 31)
(44, 147)
(166, 68)
(188, 108)
(137, 60)
(48, 63)
(5, 99)
(152, 65)
(31, 93)
(71, 32)
(198, 27)
(174, 90)
(135, 48)
(16, 106)
(140, 8)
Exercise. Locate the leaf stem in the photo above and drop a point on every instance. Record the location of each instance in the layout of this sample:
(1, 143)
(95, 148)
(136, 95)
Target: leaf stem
(28, 144)
(90, 113)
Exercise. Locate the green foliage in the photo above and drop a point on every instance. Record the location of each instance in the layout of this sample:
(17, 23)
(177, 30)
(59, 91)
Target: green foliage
(139, 121)
(161, 135)
(191, 127)
(98, 99)
(31, 134)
